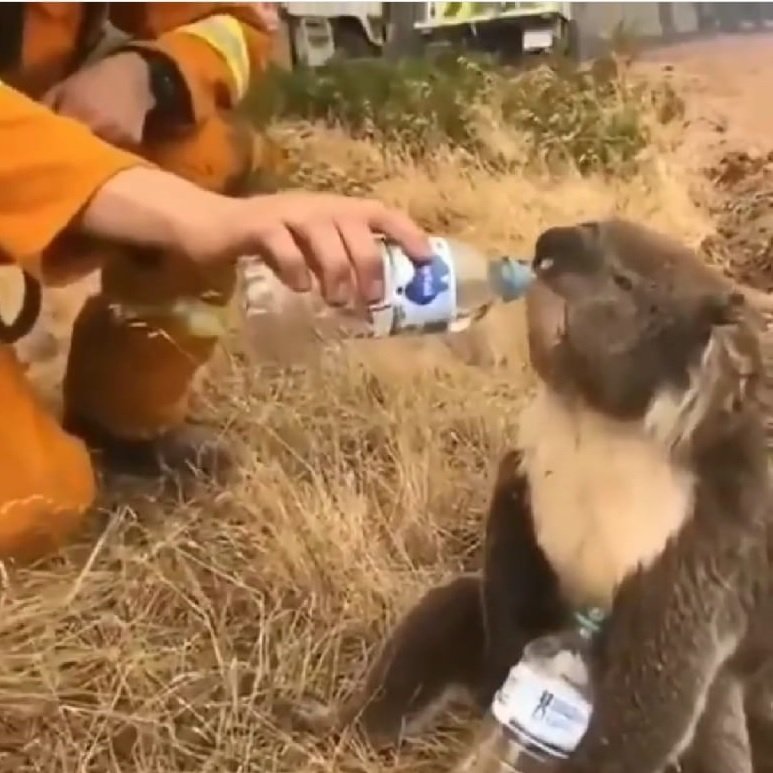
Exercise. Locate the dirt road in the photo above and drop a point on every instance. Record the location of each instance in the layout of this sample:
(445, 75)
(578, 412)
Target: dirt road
(728, 86)
(729, 82)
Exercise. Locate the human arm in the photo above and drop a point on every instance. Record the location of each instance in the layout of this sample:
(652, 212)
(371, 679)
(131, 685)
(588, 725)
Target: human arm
(49, 168)
(183, 62)
(217, 47)
(296, 233)
(57, 179)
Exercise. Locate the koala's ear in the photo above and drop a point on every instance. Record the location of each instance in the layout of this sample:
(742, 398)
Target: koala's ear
(722, 308)
(559, 241)
(592, 228)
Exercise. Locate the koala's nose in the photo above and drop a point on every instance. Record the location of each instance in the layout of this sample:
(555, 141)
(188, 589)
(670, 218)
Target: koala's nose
(564, 248)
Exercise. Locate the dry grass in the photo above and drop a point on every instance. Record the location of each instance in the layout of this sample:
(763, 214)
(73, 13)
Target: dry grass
(596, 118)
(165, 639)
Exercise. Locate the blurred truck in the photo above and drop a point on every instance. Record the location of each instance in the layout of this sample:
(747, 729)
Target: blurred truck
(508, 29)
(315, 33)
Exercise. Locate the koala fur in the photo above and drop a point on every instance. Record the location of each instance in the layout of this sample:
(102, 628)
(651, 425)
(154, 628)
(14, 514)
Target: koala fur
(639, 482)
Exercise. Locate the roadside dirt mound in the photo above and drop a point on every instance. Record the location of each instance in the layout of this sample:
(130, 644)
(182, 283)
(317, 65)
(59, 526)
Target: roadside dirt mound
(743, 243)
(727, 144)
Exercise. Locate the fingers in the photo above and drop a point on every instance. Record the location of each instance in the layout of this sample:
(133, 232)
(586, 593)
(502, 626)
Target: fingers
(398, 227)
(51, 98)
(326, 254)
(130, 133)
(334, 236)
(112, 97)
(366, 257)
(278, 248)
(122, 128)
(268, 16)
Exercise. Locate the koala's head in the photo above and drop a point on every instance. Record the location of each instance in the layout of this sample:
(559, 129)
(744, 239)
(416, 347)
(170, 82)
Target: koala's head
(638, 327)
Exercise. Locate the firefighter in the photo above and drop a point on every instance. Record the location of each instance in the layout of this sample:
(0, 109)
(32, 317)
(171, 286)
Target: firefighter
(135, 164)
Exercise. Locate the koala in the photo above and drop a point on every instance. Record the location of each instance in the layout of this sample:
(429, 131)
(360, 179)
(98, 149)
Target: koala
(638, 482)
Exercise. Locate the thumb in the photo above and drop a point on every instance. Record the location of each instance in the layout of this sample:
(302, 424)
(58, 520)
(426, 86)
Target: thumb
(402, 229)
(135, 130)
(268, 16)
(51, 98)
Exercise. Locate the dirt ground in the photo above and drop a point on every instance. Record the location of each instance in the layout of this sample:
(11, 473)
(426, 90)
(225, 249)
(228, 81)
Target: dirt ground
(729, 80)
(164, 638)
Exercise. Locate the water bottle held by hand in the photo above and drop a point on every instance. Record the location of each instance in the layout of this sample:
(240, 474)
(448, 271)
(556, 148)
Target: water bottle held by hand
(458, 286)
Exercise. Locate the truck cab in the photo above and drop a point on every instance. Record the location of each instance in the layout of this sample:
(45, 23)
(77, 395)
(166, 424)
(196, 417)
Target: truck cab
(510, 29)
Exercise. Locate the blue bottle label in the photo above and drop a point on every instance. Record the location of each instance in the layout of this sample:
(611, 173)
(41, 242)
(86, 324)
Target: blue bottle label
(429, 280)
(417, 297)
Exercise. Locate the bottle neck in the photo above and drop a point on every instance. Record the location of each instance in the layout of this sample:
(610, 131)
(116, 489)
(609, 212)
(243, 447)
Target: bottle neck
(510, 278)
(588, 621)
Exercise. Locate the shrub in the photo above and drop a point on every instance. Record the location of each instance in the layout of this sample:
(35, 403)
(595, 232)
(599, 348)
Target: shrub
(588, 116)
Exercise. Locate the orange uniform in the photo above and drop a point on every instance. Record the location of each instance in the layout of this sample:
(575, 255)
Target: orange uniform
(134, 352)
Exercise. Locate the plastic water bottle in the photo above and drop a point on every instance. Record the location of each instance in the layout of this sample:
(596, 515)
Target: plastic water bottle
(541, 712)
(458, 286)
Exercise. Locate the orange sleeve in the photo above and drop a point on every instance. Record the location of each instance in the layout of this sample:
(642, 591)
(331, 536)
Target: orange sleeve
(218, 47)
(50, 166)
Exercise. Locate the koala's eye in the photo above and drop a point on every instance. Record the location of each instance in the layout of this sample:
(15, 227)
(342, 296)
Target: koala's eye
(623, 282)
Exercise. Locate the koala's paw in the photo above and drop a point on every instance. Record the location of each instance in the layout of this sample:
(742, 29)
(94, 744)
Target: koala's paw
(308, 715)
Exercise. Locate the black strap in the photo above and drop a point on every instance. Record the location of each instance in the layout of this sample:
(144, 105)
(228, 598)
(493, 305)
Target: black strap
(11, 35)
(93, 18)
(28, 315)
(174, 104)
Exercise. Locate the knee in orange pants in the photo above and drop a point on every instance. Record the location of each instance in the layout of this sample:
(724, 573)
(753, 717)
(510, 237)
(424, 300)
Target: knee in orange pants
(131, 373)
(46, 478)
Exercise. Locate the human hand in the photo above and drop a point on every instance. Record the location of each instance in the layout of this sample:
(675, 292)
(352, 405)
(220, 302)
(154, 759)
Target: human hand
(297, 234)
(267, 15)
(112, 97)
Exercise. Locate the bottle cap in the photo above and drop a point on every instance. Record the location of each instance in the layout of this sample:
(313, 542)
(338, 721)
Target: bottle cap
(510, 277)
(590, 619)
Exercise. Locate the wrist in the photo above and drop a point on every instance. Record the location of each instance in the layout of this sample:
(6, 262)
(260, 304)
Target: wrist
(173, 106)
(142, 205)
(147, 207)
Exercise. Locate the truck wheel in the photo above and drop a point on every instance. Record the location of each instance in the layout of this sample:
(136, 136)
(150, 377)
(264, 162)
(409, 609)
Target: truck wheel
(351, 42)
(575, 40)
(568, 43)
(297, 52)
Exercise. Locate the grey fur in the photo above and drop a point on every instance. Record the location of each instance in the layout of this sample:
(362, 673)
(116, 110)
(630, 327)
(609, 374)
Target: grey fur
(632, 329)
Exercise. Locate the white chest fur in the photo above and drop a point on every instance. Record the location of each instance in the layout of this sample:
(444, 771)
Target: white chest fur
(605, 496)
